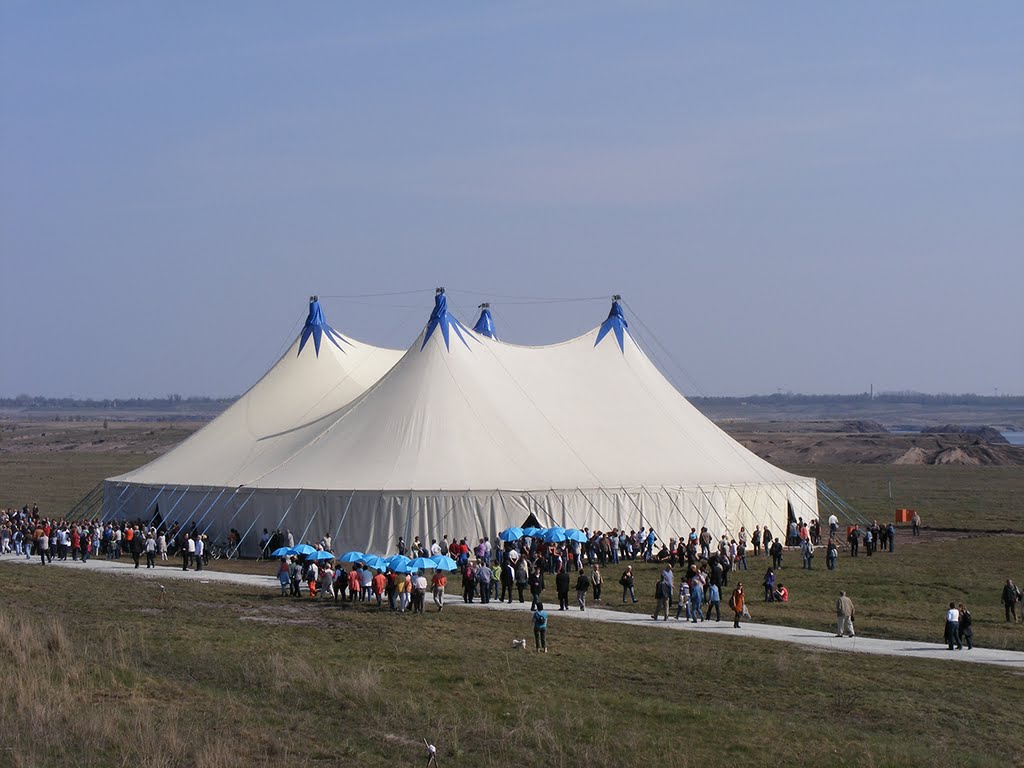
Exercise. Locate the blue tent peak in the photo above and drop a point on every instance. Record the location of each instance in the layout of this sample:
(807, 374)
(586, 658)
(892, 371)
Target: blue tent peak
(616, 322)
(443, 319)
(485, 325)
(317, 327)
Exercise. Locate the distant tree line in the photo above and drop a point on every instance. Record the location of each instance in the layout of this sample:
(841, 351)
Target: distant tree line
(169, 403)
(908, 398)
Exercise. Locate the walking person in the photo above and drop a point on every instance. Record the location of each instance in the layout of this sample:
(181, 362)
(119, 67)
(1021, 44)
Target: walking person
(582, 588)
(540, 628)
(966, 633)
(150, 551)
(596, 581)
(438, 583)
(953, 627)
(714, 599)
(736, 603)
(536, 587)
(1010, 599)
(662, 591)
(562, 588)
(844, 615)
(627, 582)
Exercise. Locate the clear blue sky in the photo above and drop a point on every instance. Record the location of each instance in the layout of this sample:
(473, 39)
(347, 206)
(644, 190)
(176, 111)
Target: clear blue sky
(812, 197)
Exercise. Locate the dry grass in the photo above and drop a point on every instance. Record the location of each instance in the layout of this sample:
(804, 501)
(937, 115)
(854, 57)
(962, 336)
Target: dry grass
(119, 681)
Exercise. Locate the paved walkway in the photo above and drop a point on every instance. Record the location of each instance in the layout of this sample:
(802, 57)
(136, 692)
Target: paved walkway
(793, 635)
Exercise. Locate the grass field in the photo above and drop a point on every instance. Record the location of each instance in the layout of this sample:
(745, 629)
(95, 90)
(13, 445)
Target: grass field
(219, 677)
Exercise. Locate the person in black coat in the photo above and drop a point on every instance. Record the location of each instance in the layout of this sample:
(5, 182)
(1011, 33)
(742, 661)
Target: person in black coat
(562, 587)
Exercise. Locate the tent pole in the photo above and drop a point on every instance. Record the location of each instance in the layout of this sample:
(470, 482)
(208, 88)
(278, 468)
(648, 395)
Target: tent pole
(174, 507)
(135, 489)
(167, 520)
(344, 514)
(210, 508)
(242, 537)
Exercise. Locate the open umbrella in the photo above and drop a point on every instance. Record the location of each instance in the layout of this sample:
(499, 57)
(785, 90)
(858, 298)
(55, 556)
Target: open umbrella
(352, 557)
(321, 555)
(533, 532)
(552, 535)
(511, 534)
(420, 563)
(304, 549)
(372, 561)
(283, 552)
(444, 563)
(572, 534)
(398, 561)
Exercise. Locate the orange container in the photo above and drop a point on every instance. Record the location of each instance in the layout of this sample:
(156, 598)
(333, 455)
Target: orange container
(904, 515)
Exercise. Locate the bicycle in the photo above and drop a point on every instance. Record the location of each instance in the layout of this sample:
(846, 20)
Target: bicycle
(223, 549)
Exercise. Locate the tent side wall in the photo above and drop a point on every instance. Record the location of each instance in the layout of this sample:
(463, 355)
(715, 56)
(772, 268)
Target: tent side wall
(372, 521)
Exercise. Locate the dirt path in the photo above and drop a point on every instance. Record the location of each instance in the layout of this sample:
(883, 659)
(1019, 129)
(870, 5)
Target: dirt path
(793, 635)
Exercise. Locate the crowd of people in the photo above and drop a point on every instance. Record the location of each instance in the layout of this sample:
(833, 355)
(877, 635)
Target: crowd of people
(28, 533)
(500, 570)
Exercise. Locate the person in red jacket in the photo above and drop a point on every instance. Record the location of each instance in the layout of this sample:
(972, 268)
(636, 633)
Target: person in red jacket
(736, 603)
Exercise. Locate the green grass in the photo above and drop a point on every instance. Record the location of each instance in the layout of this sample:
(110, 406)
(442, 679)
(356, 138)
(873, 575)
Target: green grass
(974, 498)
(218, 676)
(901, 596)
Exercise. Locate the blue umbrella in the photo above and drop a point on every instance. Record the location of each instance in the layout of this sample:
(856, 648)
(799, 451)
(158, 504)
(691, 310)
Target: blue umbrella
(533, 532)
(511, 534)
(571, 534)
(398, 561)
(321, 555)
(304, 549)
(444, 563)
(552, 535)
(352, 557)
(420, 563)
(283, 552)
(372, 561)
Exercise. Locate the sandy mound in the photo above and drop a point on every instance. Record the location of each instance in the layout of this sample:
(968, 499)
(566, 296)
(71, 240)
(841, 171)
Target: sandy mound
(915, 455)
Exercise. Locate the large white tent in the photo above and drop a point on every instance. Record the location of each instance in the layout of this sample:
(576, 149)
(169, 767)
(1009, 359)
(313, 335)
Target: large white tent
(462, 435)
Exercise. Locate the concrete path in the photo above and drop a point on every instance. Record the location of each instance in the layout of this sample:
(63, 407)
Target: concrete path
(793, 635)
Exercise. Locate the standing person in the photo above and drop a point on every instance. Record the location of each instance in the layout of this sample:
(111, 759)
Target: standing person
(807, 553)
(596, 581)
(540, 628)
(582, 588)
(562, 588)
(508, 578)
(438, 583)
(833, 525)
(283, 576)
(736, 603)
(200, 550)
(696, 598)
(777, 554)
(43, 545)
(890, 531)
(626, 580)
(419, 590)
(854, 538)
(522, 577)
(714, 600)
(953, 627)
(536, 587)
(755, 539)
(1010, 598)
(915, 524)
(844, 615)
(161, 546)
(769, 585)
(966, 633)
(136, 545)
(766, 540)
(150, 551)
(831, 555)
(661, 595)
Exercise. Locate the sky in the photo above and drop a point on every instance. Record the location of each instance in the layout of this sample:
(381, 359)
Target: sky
(805, 197)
